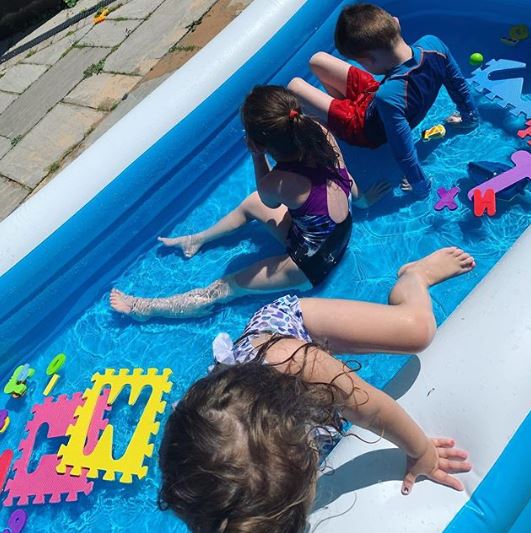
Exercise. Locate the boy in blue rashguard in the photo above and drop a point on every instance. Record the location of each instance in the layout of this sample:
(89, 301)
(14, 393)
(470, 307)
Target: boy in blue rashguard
(365, 112)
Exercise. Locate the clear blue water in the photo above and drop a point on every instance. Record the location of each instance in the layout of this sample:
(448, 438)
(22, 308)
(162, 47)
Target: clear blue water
(383, 238)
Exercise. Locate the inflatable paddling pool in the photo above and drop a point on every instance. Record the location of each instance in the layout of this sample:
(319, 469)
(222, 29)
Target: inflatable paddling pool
(176, 162)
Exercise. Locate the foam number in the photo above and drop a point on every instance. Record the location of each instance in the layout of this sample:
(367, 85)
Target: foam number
(16, 521)
(101, 458)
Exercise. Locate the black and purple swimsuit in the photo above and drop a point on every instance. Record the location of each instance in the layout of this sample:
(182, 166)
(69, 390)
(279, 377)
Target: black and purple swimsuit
(316, 243)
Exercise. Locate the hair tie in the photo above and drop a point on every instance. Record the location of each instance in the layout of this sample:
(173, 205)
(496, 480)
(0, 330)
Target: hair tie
(293, 113)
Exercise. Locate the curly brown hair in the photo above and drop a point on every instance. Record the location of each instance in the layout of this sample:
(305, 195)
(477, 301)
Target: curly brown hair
(266, 118)
(238, 453)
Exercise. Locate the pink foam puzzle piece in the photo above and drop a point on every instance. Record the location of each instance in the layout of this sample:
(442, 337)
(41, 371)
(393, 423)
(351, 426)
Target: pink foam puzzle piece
(44, 481)
(447, 198)
(520, 171)
(526, 133)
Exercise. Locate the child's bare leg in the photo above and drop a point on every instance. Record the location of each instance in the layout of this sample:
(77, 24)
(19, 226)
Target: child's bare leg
(270, 275)
(316, 102)
(332, 73)
(406, 325)
(252, 208)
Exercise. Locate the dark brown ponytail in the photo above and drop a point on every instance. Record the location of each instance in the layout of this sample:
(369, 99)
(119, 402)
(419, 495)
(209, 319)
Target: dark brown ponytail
(273, 118)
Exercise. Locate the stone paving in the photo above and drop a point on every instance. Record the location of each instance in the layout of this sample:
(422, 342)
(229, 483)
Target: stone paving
(59, 96)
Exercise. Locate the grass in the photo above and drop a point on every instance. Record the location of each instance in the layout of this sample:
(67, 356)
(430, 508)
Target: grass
(31, 53)
(54, 167)
(95, 68)
(190, 48)
(107, 108)
(193, 25)
(114, 8)
(16, 140)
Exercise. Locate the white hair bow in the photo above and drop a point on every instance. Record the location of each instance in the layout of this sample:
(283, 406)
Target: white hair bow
(222, 348)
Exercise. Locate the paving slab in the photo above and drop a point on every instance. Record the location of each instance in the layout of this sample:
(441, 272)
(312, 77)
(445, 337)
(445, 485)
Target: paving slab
(109, 33)
(133, 99)
(62, 128)
(168, 23)
(12, 195)
(5, 100)
(102, 91)
(213, 22)
(18, 78)
(5, 146)
(135, 9)
(49, 89)
(52, 53)
(61, 17)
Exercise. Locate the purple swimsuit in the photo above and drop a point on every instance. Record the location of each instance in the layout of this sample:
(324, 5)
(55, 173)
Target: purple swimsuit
(315, 242)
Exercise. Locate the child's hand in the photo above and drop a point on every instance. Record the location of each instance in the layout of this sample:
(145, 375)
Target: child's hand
(437, 463)
(420, 190)
(372, 195)
(456, 121)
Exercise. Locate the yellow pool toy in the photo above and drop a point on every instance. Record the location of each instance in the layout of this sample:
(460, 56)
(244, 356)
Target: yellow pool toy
(4, 420)
(52, 370)
(519, 32)
(101, 16)
(51, 384)
(435, 132)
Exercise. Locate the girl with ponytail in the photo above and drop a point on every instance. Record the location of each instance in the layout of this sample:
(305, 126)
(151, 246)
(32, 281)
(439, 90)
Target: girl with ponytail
(304, 200)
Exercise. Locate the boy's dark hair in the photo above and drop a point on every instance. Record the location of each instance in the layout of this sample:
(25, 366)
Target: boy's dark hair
(364, 27)
(266, 117)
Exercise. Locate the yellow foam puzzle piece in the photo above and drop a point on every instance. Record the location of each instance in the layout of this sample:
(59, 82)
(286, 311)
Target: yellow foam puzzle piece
(131, 462)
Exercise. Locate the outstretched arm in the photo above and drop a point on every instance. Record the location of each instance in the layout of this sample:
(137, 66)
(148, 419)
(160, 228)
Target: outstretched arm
(372, 409)
(400, 139)
(459, 92)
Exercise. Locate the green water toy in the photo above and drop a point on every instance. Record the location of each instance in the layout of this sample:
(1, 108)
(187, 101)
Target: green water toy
(17, 386)
(56, 364)
(476, 59)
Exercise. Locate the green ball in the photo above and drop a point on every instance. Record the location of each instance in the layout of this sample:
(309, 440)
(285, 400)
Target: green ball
(475, 59)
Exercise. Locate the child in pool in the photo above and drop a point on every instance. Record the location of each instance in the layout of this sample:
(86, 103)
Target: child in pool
(240, 452)
(304, 201)
(365, 112)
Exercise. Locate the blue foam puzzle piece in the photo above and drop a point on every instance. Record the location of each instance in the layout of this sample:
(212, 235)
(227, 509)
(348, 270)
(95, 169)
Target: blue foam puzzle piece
(505, 92)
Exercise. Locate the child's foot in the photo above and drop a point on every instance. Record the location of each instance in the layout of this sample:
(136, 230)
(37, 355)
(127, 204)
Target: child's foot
(441, 265)
(125, 304)
(189, 244)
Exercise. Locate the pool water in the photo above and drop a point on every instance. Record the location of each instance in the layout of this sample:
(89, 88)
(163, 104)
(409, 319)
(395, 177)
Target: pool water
(391, 233)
